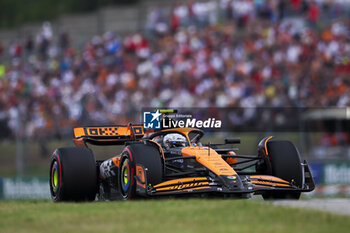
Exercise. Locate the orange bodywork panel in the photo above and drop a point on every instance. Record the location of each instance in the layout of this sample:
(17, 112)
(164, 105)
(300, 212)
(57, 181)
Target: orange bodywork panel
(261, 184)
(182, 180)
(272, 178)
(210, 159)
(179, 188)
(116, 161)
(266, 144)
(107, 135)
(79, 142)
(107, 131)
(141, 174)
(231, 161)
(258, 180)
(183, 183)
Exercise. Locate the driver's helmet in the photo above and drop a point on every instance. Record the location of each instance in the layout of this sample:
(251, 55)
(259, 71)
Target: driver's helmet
(174, 140)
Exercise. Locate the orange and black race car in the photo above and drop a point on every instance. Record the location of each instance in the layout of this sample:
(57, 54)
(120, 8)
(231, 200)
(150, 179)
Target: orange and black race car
(174, 162)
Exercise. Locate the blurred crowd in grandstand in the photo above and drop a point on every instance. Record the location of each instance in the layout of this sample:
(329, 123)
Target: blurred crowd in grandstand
(240, 53)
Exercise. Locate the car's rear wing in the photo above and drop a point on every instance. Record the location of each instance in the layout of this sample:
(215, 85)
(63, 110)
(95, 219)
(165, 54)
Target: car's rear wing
(107, 135)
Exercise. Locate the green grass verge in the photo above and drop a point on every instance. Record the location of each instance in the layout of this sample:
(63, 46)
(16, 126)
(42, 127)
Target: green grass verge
(192, 215)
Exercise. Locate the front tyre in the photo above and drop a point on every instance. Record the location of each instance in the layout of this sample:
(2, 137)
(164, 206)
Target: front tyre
(73, 175)
(146, 155)
(127, 177)
(285, 163)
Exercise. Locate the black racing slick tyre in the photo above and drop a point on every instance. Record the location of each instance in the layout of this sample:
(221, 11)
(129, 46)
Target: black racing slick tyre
(73, 175)
(138, 154)
(285, 164)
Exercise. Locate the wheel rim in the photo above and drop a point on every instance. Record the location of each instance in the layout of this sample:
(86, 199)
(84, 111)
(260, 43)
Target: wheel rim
(125, 176)
(55, 178)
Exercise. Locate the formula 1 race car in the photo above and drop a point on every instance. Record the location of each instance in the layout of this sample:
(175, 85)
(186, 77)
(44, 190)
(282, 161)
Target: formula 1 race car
(174, 162)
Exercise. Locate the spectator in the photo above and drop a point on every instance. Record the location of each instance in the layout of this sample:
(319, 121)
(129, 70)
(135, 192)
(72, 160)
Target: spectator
(313, 13)
(193, 62)
(29, 45)
(15, 49)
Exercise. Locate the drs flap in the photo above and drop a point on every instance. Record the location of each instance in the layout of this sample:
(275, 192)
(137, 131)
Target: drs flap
(107, 134)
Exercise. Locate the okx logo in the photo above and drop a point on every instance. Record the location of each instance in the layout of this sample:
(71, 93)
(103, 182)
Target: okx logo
(151, 120)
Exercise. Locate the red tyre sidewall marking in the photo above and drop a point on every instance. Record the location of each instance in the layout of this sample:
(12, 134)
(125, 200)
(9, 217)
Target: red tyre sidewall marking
(60, 169)
(129, 152)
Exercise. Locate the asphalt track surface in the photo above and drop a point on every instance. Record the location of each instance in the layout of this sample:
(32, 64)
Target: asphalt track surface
(334, 205)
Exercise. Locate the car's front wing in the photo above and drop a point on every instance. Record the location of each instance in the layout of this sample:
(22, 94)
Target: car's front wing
(254, 184)
(238, 184)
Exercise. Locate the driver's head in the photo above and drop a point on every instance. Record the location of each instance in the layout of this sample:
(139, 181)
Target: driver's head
(174, 140)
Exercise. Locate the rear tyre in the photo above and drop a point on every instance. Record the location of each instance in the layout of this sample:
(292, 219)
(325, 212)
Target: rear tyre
(73, 175)
(146, 155)
(285, 163)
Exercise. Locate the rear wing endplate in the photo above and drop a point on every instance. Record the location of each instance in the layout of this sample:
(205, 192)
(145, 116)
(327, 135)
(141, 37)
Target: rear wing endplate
(107, 135)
